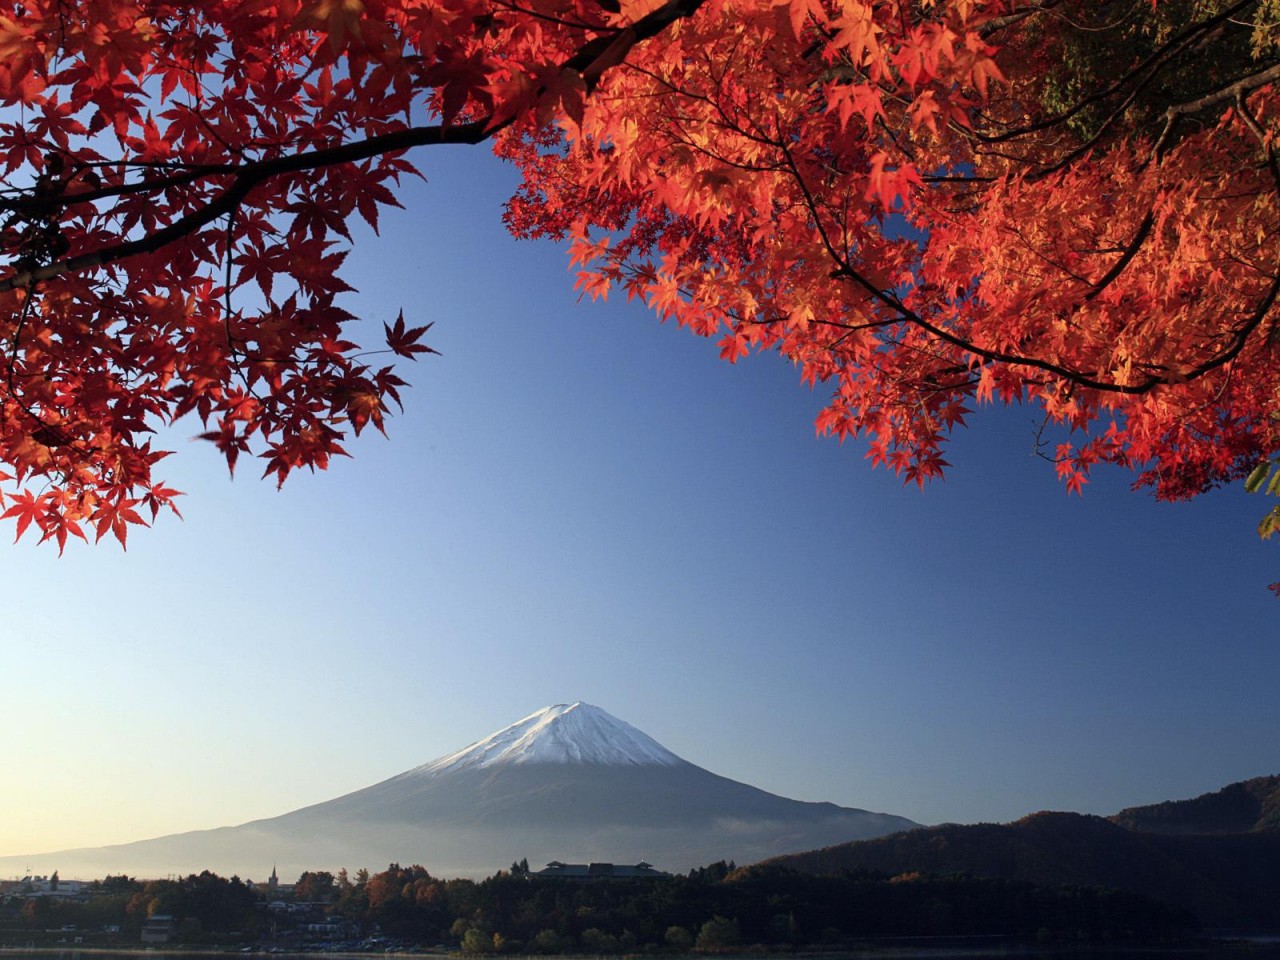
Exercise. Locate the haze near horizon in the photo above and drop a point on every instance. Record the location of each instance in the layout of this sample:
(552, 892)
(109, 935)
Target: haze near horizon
(569, 782)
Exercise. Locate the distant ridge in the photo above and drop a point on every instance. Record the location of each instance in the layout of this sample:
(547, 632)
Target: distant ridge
(1237, 808)
(1225, 878)
(569, 782)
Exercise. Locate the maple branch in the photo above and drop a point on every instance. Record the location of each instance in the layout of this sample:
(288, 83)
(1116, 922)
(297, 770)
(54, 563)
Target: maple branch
(1018, 232)
(24, 202)
(247, 177)
(954, 178)
(45, 431)
(848, 328)
(1256, 129)
(600, 54)
(1237, 342)
(1234, 91)
(1231, 92)
(548, 18)
(591, 60)
(992, 27)
(1139, 238)
(227, 288)
(726, 123)
(17, 340)
(847, 272)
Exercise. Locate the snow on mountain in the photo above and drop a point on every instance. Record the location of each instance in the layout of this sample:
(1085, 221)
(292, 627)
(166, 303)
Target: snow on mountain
(563, 733)
(569, 783)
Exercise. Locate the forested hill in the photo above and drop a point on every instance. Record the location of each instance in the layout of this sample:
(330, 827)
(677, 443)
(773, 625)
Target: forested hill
(1237, 808)
(1225, 879)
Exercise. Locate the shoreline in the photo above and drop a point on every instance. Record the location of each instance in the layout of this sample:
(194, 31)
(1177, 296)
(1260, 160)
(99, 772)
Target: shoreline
(905, 948)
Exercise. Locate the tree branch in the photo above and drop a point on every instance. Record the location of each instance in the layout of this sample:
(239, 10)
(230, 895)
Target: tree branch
(1130, 252)
(247, 176)
(1153, 63)
(1233, 91)
(591, 60)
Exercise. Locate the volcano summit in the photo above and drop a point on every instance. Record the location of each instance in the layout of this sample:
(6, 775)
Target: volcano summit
(569, 782)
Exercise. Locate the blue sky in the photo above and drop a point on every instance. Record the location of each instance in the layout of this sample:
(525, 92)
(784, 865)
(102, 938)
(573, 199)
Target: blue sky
(581, 503)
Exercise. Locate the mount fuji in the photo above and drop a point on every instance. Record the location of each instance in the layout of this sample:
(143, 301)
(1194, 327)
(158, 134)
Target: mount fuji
(569, 782)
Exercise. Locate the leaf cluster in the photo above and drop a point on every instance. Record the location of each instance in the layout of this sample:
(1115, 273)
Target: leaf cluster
(924, 205)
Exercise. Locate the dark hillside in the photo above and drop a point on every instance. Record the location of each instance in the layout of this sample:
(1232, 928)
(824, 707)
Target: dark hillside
(1225, 880)
(1238, 808)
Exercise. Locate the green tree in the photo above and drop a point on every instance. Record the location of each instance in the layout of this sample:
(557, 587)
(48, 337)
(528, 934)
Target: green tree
(547, 941)
(476, 941)
(718, 934)
(595, 940)
(678, 938)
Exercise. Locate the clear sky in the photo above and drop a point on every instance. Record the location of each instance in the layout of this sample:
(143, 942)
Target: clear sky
(581, 503)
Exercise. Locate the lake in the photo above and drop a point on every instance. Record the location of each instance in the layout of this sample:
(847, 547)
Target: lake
(1251, 947)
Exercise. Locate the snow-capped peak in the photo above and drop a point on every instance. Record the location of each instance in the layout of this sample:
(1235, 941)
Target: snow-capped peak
(564, 733)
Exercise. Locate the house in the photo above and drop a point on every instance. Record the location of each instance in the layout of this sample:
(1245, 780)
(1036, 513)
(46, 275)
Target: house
(331, 928)
(159, 928)
(50, 886)
(555, 870)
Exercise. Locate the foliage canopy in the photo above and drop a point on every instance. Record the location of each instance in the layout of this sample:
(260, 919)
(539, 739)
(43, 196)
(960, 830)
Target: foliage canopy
(922, 203)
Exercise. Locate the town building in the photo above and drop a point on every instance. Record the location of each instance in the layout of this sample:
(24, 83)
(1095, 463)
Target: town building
(555, 870)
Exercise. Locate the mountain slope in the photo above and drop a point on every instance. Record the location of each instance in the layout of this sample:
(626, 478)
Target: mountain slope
(1226, 879)
(1237, 808)
(569, 782)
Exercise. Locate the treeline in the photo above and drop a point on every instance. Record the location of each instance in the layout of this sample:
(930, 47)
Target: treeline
(208, 907)
(712, 909)
(720, 908)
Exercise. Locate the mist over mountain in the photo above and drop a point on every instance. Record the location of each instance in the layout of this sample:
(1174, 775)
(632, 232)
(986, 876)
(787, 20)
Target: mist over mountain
(569, 782)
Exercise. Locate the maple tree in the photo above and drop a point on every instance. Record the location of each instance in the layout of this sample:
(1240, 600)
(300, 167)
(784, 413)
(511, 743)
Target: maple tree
(924, 204)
